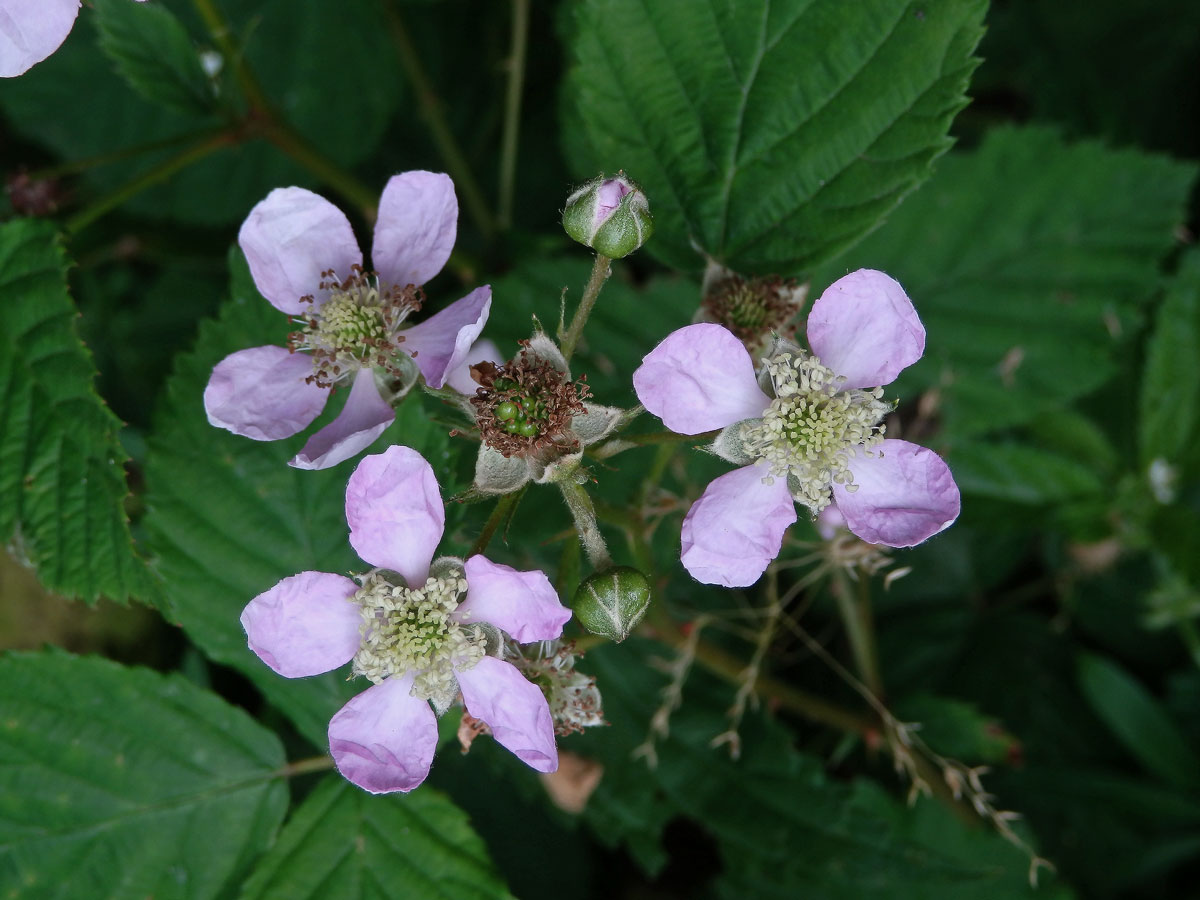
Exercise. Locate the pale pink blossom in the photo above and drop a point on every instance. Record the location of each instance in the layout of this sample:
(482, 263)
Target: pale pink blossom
(422, 629)
(816, 439)
(354, 330)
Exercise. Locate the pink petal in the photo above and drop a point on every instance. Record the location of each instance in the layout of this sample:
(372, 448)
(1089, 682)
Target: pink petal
(522, 603)
(442, 342)
(395, 512)
(905, 495)
(289, 239)
(460, 376)
(736, 528)
(362, 419)
(415, 231)
(699, 378)
(864, 327)
(305, 625)
(515, 710)
(30, 30)
(384, 739)
(261, 393)
(830, 522)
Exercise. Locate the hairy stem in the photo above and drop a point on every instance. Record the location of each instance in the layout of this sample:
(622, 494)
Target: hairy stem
(305, 766)
(600, 271)
(584, 516)
(503, 508)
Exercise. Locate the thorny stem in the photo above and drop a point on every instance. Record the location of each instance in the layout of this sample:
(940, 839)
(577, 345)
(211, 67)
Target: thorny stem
(600, 271)
(431, 111)
(304, 766)
(504, 506)
(512, 110)
(136, 185)
(855, 609)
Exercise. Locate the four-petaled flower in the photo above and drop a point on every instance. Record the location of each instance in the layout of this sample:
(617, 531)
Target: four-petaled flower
(818, 440)
(422, 629)
(30, 30)
(306, 262)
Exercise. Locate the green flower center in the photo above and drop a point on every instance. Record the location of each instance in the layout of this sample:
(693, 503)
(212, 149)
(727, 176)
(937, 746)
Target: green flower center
(358, 325)
(411, 630)
(812, 429)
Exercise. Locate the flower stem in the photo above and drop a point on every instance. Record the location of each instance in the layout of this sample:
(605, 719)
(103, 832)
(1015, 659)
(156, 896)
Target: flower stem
(504, 507)
(512, 110)
(431, 111)
(584, 515)
(305, 766)
(600, 271)
(855, 610)
(75, 166)
(149, 178)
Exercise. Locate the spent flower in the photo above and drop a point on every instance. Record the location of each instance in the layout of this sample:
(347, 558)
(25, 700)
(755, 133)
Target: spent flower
(816, 439)
(353, 324)
(422, 630)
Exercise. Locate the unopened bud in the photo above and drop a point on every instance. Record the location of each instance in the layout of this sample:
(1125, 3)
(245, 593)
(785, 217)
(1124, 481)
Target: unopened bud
(611, 603)
(610, 215)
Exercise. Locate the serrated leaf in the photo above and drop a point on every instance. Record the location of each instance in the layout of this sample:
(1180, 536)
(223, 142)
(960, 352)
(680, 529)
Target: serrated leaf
(228, 518)
(154, 54)
(123, 783)
(345, 844)
(62, 485)
(1018, 473)
(1138, 721)
(1170, 399)
(773, 133)
(1027, 261)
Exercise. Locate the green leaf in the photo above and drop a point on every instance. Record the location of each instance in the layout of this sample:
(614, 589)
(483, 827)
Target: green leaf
(1138, 721)
(782, 828)
(345, 844)
(62, 485)
(1028, 260)
(1018, 473)
(123, 783)
(1170, 400)
(228, 518)
(154, 54)
(771, 133)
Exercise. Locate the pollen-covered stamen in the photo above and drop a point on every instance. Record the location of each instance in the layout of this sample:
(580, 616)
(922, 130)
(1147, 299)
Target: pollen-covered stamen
(812, 428)
(573, 697)
(411, 630)
(526, 405)
(751, 308)
(359, 325)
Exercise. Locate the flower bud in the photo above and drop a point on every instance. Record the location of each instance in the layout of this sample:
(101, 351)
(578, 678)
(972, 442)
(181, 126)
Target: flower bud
(610, 215)
(611, 603)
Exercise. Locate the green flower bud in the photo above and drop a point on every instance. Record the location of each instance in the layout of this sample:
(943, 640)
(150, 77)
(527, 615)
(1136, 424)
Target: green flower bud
(610, 215)
(611, 603)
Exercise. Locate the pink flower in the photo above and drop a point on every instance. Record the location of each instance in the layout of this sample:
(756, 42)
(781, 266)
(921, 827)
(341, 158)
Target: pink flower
(306, 262)
(818, 441)
(421, 629)
(30, 30)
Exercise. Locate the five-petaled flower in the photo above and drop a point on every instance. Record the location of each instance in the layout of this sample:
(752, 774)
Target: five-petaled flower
(816, 439)
(421, 629)
(354, 331)
(30, 30)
